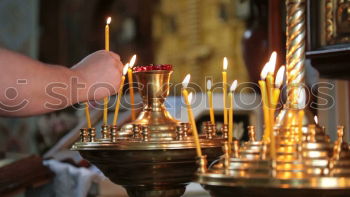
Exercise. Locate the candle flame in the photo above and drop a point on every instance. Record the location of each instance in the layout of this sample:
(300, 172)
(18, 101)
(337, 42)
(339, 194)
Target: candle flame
(225, 63)
(132, 61)
(279, 76)
(264, 71)
(316, 119)
(189, 97)
(186, 81)
(125, 68)
(108, 21)
(302, 98)
(209, 84)
(233, 86)
(272, 62)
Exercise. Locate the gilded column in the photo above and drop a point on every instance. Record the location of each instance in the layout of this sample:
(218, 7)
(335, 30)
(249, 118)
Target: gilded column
(295, 47)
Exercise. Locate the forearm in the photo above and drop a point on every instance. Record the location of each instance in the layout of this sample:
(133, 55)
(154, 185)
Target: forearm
(30, 87)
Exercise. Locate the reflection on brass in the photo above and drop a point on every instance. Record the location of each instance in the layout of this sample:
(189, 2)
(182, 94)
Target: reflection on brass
(92, 133)
(105, 133)
(155, 154)
(84, 135)
(114, 133)
(337, 21)
(251, 133)
(295, 47)
(224, 131)
(202, 163)
(209, 129)
(306, 162)
(235, 149)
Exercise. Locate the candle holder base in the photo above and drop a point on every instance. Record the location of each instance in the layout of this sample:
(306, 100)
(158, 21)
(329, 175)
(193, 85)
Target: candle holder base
(155, 155)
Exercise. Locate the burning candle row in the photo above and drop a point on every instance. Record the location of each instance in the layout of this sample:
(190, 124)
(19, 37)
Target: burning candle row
(228, 112)
(270, 93)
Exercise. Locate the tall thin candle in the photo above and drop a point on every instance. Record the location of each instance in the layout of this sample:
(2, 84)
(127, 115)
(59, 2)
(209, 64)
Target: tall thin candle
(105, 100)
(270, 87)
(264, 99)
(120, 93)
(131, 88)
(224, 88)
(188, 98)
(230, 119)
(210, 101)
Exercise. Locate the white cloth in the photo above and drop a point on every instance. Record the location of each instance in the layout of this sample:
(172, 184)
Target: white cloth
(71, 181)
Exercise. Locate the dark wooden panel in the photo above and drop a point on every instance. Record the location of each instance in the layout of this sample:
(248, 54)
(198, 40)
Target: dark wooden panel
(332, 63)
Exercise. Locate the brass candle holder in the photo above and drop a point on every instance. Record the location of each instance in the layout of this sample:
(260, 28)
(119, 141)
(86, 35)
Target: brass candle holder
(305, 163)
(155, 154)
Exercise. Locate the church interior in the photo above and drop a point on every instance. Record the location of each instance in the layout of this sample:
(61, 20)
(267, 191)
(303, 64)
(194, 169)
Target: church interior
(214, 98)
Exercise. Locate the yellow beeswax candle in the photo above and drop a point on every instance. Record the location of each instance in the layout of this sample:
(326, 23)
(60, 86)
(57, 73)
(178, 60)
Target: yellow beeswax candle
(131, 88)
(120, 93)
(210, 100)
(105, 100)
(230, 120)
(188, 98)
(87, 114)
(224, 88)
(264, 98)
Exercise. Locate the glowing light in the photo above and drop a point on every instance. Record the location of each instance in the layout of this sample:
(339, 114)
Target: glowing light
(272, 62)
(279, 76)
(209, 84)
(186, 81)
(108, 21)
(264, 71)
(132, 61)
(316, 119)
(233, 86)
(125, 69)
(225, 63)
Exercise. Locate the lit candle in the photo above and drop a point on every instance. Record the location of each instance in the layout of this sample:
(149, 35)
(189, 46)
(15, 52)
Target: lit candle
(269, 79)
(230, 116)
(132, 98)
(270, 87)
(120, 93)
(210, 100)
(224, 87)
(316, 120)
(278, 84)
(105, 100)
(264, 99)
(275, 96)
(109, 19)
(188, 98)
(87, 114)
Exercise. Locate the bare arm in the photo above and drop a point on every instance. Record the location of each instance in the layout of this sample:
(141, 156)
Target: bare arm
(29, 87)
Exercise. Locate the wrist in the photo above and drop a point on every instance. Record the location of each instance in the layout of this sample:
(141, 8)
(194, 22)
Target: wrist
(81, 83)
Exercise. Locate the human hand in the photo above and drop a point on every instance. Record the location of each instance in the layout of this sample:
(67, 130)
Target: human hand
(101, 72)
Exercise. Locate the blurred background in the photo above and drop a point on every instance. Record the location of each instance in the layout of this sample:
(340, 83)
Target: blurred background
(192, 35)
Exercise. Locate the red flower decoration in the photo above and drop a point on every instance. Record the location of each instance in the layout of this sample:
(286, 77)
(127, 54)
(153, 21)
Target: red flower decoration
(152, 67)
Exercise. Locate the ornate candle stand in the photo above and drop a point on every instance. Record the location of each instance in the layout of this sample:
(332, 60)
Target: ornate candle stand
(154, 155)
(306, 163)
(312, 167)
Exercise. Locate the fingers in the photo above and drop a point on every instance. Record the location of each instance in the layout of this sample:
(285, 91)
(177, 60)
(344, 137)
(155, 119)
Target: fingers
(116, 58)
